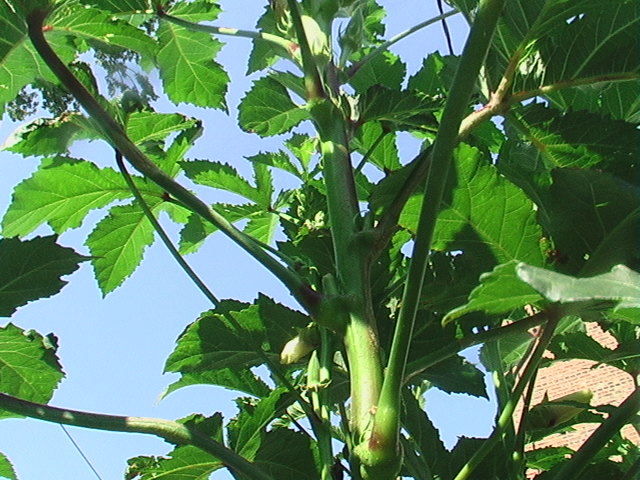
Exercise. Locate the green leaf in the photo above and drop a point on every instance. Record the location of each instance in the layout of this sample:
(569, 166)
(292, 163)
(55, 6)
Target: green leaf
(186, 60)
(620, 100)
(547, 457)
(264, 54)
(148, 126)
(213, 343)
(456, 375)
(61, 193)
(247, 430)
(500, 291)
(385, 154)
(406, 110)
(43, 137)
(31, 269)
(268, 110)
(262, 227)
(484, 208)
(385, 69)
(222, 176)
(197, 230)
(581, 139)
(621, 285)
(22, 66)
(6, 469)
(279, 160)
(117, 244)
(435, 76)
(184, 462)
(99, 28)
(288, 455)
(29, 367)
(241, 380)
(594, 220)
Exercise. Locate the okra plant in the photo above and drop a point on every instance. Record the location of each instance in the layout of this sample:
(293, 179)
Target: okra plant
(517, 213)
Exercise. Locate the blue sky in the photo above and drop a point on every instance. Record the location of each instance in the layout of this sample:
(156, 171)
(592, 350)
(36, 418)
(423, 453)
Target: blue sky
(113, 349)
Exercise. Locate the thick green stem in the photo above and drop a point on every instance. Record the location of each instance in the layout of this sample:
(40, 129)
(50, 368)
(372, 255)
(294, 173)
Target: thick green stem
(625, 413)
(360, 337)
(116, 135)
(387, 419)
(172, 432)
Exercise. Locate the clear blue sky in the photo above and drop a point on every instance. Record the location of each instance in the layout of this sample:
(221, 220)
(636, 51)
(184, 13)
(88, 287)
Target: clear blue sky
(113, 349)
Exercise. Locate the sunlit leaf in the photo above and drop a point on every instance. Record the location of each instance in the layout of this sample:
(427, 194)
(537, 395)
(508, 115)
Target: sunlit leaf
(61, 193)
(499, 291)
(268, 109)
(185, 462)
(621, 285)
(117, 245)
(29, 367)
(188, 70)
(100, 28)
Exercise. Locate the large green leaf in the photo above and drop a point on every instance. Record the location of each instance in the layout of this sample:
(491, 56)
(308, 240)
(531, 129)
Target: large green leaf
(43, 137)
(99, 28)
(148, 126)
(61, 193)
(580, 139)
(31, 269)
(197, 230)
(385, 69)
(117, 244)
(556, 41)
(244, 381)
(621, 285)
(268, 110)
(500, 291)
(594, 220)
(22, 66)
(484, 208)
(29, 367)
(214, 341)
(186, 59)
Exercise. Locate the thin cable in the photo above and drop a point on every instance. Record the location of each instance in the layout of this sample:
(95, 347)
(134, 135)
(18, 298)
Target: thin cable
(445, 28)
(79, 450)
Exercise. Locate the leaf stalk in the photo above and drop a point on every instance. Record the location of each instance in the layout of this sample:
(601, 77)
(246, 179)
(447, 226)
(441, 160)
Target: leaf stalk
(172, 432)
(387, 419)
(117, 137)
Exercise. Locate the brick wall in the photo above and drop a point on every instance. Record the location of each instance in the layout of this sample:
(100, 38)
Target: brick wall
(608, 384)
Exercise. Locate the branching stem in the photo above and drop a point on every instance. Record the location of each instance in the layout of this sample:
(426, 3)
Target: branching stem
(172, 432)
(116, 135)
